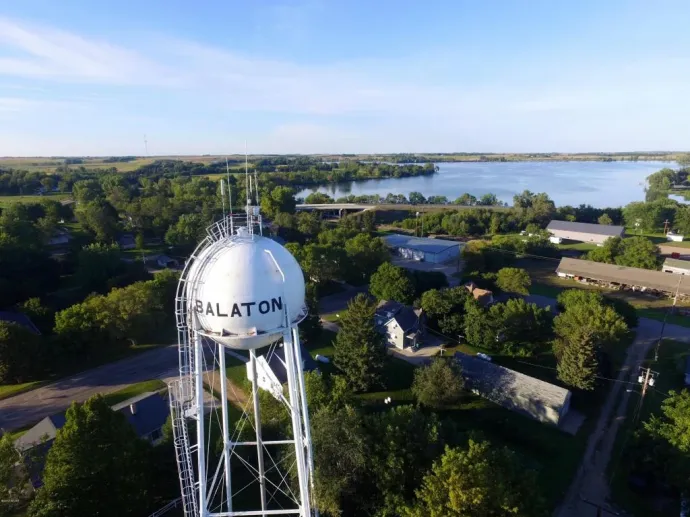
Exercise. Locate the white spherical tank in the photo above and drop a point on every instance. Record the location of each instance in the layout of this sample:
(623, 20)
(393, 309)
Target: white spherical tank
(239, 289)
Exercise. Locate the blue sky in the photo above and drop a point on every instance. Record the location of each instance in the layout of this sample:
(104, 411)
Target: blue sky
(317, 76)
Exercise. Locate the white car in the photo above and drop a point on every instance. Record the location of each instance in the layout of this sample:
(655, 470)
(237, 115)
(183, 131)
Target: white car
(484, 356)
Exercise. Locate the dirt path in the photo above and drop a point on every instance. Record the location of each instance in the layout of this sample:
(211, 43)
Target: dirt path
(236, 395)
(591, 484)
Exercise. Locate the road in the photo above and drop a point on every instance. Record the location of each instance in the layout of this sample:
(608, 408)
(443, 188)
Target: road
(591, 484)
(30, 407)
(338, 301)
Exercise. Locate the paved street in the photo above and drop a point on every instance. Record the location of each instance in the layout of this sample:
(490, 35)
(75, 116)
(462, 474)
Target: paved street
(338, 301)
(32, 406)
(591, 484)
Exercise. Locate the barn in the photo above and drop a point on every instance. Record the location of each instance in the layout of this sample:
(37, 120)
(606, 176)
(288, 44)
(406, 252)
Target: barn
(584, 232)
(424, 249)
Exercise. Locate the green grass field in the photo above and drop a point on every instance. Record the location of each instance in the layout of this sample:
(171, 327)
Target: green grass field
(10, 200)
(133, 390)
(10, 390)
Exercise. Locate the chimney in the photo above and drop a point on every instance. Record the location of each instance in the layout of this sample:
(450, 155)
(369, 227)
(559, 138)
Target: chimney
(133, 408)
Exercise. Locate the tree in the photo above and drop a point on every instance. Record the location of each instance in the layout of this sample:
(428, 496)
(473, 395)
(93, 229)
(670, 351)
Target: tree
(522, 328)
(310, 328)
(416, 198)
(439, 384)
(321, 264)
(139, 241)
(96, 264)
(513, 280)
(488, 200)
(604, 219)
(366, 253)
(341, 453)
(662, 446)
(480, 480)
(445, 308)
(96, 461)
(279, 199)
(100, 219)
(309, 223)
(608, 252)
(638, 252)
(391, 283)
(466, 199)
(318, 198)
(20, 354)
(578, 364)
(187, 231)
(360, 351)
(14, 477)
(43, 317)
(404, 442)
(480, 329)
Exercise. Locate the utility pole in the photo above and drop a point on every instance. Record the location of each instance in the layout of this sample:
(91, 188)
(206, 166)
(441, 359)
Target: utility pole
(647, 377)
(666, 223)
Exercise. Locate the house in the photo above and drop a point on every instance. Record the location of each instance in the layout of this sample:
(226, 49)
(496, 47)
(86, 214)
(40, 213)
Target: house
(584, 232)
(19, 318)
(424, 249)
(60, 238)
(165, 261)
(146, 413)
(276, 362)
(677, 266)
(632, 277)
(402, 325)
(483, 296)
(513, 390)
(687, 371)
(126, 241)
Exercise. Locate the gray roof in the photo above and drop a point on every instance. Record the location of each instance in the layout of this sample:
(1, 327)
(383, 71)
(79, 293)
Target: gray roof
(407, 319)
(151, 413)
(277, 362)
(19, 318)
(678, 263)
(596, 229)
(423, 244)
(511, 389)
(667, 282)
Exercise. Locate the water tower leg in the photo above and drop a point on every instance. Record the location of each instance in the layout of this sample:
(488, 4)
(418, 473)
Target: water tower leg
(297, 429)
(257, 425)
(200, 438)
(226, 426)
(305, 413)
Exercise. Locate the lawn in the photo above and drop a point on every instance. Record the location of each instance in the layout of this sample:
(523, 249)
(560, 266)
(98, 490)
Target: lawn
(10, 200)
(672, 357)
(578, 246)
(656, 238)
(133, 390)
(9, 390)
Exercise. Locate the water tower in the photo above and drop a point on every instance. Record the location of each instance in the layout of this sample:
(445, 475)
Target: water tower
(240, 295)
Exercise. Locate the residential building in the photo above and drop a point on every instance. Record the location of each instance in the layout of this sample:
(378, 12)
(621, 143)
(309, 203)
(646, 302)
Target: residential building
(19, 318)
(146, 413)
(584, 232)
(677, 266)
(633, 278)
(483, 296)
(402, 325)
(165, 261)
(127, 241)
(513, 390)
(60, 238)
(424, 249)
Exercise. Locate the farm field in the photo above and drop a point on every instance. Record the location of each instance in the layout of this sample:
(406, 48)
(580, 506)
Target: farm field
(9, 200)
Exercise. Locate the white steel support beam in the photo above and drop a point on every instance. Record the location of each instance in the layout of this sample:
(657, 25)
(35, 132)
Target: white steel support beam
(226, 426)
(199, 393)
(257, 426)
(305, 412)
(295, 406)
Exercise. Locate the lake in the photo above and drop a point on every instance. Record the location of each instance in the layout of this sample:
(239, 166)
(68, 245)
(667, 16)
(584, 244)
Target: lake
(600, 184)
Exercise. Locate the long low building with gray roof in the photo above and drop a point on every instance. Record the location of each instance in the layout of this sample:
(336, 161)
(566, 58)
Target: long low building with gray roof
(584, 232)
(514, 390)
(637, 278)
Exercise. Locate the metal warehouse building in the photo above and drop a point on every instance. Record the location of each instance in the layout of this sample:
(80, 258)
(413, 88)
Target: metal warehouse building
(584, 232)
(625, 276)
(423, 249)
(514, 390)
